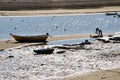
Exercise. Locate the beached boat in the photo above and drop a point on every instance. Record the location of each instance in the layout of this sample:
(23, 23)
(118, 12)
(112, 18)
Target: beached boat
(111, 13)
(37, 38)
(44, 51)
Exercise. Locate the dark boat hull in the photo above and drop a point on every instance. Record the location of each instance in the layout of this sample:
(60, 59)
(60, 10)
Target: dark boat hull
(44, 51)
(111, 13)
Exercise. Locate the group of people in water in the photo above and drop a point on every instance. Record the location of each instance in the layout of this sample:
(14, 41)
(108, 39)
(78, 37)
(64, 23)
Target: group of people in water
(99, 32)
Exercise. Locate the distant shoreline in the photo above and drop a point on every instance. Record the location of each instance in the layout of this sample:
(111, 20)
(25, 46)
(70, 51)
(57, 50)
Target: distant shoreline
(55, 4)
(55, 12)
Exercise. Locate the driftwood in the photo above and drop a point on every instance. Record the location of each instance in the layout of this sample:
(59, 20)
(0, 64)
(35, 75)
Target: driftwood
(69, 47)
(59, 52)
(103, 40)
(95, 36)
(74, 46)
(109, 39)
(115, 38)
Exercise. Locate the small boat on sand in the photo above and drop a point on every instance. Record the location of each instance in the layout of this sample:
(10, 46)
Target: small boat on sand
(111, 13)
(44, 51)
(37, 38)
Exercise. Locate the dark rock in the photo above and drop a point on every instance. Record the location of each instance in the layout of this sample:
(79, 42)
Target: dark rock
(10, 56)
(42, 64)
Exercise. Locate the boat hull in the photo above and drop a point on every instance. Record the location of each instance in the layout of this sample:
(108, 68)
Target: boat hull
(111, 13)
(44, 51)
(40, 38)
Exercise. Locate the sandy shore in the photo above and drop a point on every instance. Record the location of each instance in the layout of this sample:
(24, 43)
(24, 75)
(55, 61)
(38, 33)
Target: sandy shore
(113, 74)
(59, 11)
(12, 43)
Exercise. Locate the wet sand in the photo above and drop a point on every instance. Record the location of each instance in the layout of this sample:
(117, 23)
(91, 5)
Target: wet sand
(113, 74)
(4, 44)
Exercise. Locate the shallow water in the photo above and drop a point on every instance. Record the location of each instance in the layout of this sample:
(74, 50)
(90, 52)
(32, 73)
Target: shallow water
(71, 41)
(57, 25)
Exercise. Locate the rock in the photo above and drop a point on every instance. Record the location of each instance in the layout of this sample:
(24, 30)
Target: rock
(10, 56)
(42, 64)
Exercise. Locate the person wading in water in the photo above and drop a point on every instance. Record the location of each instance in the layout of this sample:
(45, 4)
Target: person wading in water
(97, 31)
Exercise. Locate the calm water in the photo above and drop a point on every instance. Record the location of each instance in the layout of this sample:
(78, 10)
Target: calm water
(58, 25)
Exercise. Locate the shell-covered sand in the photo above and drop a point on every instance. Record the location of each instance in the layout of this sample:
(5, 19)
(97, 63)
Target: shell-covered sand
(22, 64)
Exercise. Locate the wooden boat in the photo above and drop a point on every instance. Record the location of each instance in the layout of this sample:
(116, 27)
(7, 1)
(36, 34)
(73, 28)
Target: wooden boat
(38, 38)
(44, 51)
